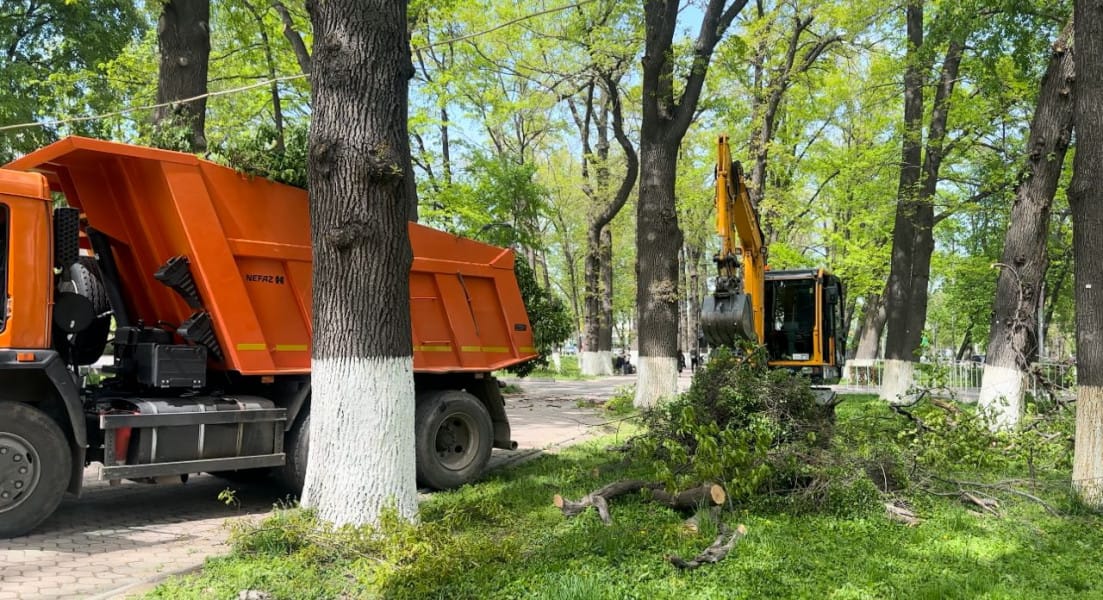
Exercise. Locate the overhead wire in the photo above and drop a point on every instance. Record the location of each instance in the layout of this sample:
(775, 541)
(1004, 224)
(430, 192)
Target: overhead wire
(267, 82)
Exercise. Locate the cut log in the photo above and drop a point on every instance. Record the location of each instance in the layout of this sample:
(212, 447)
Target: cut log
(703, 495)
(988, 505)
(902, 515)
(709, 494)
(715, 552)
(602, 495)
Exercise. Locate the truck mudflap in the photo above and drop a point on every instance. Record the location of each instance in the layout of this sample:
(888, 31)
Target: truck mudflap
(64, 383)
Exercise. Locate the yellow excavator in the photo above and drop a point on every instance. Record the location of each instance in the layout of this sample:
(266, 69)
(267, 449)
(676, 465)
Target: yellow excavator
(796, 314)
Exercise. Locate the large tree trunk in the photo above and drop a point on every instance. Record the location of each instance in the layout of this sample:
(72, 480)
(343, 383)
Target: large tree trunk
(904, 334)
(1086, 200)
(362, 412)
(658, 240)
(184, 39)
(665, 118)
(1013, 337)
(913, 230)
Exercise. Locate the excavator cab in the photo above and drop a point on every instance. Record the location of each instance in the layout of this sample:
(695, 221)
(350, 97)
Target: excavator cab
(797, 315)
(804, 323)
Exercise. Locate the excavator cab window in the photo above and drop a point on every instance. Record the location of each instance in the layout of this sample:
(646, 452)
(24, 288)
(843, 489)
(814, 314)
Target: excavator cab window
(791, 318)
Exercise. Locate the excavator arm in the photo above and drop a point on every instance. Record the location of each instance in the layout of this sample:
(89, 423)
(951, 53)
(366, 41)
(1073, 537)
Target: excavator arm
(736, 309)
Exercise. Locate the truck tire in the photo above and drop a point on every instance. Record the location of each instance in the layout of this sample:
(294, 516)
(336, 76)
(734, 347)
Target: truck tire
(296, 448)
(34, 467)
(453, 435)
(87, 346)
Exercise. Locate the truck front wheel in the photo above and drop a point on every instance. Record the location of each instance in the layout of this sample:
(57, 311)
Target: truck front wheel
(453, 434)
(34, 468)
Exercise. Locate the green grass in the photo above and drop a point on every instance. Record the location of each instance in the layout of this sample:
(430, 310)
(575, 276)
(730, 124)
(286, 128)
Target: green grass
(502, 538)
(569, 370)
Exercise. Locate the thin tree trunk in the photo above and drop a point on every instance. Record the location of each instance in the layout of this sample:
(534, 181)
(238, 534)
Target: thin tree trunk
(964, 350)
(293, 37)
(1086, 200)
(184, 39)
(1013, 336)
(270, 63)
(1053, 292)
(694, 291)
(683, 300)
(870, 330)
(361, 458)
(605, 334)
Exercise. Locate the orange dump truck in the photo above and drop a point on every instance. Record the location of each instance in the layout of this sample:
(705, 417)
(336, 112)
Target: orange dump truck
(196, 281)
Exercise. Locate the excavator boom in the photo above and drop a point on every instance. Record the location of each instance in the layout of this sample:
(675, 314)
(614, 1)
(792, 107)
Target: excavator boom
(796, 315)
(735, 310)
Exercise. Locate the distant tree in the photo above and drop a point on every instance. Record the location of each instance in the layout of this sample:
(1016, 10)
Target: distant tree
(361, 426)
(1086, 199)
(184, 39)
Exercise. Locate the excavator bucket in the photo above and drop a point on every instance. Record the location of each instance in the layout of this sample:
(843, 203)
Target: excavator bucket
(727, 318)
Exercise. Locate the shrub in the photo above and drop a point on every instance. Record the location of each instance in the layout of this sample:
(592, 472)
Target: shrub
(738, 422)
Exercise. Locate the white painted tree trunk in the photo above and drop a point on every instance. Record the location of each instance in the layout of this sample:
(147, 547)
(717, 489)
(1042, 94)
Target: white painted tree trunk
(898, 380)
(598, 363)
(361, 440)
(1001, 395)
(656, 380)
(1087, 466)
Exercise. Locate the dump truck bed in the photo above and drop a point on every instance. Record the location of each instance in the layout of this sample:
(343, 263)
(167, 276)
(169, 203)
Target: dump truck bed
(247, 240)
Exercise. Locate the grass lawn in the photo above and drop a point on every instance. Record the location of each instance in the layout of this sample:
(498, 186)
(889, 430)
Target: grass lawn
(502, 538)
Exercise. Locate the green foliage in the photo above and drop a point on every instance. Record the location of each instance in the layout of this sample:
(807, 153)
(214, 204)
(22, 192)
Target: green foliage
(498, 202)
(548, 316)
(263, 156)
(49, 45)
(621, 402)
(731, 426)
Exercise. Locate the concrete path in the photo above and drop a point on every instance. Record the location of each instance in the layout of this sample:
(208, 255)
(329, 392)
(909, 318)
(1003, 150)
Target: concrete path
(114, 540)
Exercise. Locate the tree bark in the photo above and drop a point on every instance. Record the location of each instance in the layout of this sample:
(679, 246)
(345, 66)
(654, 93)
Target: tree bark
(362, 413)
(1013, 337)
(913, 229)
(666, 116)
(870, 330)
(184, 39)
(1086, 200)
